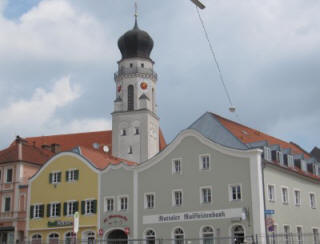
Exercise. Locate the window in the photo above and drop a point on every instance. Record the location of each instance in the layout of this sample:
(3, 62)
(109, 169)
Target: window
(69, 208)
(68, 238)
(37, 211)
(123, 203)
(290, 160)
(6, 204)
(55, 177)
(108, 204)
(207, 235)
(72, 175)
(204, 162)
(237, 234)
(299, 235)
(131, 65)
(279, 157)
(297, 198)
(0, 176)
(176, 166)
(178, 236)
(235, 192)
(91, 237)
(53, 209)
(312, 201)
(36, 239)
(273, 234)
(130, 151)
(267, 153)
(130, 98)
(136, 131)
(123, 132)
(315, 233)
(177, 198)
(53, 238)
(89, 206)
(286, 237)
(9, 175)
(150, 237)
(142, 65)
(284, 191)
(206, 195)
(149, 200)
(271, 194)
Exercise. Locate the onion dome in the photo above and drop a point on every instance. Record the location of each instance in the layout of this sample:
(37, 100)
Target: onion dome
(135, 43)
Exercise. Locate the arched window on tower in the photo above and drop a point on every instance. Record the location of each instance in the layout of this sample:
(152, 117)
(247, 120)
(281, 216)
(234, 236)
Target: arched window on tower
(130, 98)
(153, 99)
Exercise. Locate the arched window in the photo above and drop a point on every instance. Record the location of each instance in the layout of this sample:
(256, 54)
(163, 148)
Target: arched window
(237, 234)
(130, 98)
(90, 237)
(207, 235)
(53, 238)
(68, 238)
(36, 239)
(178, 236)
(150, 237)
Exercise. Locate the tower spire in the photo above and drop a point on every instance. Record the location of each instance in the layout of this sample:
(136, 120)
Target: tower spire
(136, 14)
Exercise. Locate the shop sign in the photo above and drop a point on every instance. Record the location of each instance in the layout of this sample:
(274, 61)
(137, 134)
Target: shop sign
(115, 219)
(59, 223)
(194, 216)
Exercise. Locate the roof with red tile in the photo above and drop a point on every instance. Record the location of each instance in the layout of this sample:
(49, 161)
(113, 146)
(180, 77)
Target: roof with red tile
(248, 135)
(102, 160)
(68, 141)
(29, 153)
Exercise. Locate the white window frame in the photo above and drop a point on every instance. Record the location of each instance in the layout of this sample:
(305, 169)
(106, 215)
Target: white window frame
(202, 196)
(174, 172)
(88, 202)
(230, 186)
(202, 233)
(273, 194)
(123, 132)
(6, 175)
(174, 197)
(201, 156)
(53, 233)
(314, 199)
(4, 197)
(36, 210)
(295, 197)
(106, 203)
(51, 210)
(72, 173)
(315, 230)
(279, 157)
(119, 202)
(301, 228)
(146, 205)
(72, 203)
(54, 177)
(290, 160)
(282, 198)
(267, 153)
(286, 241)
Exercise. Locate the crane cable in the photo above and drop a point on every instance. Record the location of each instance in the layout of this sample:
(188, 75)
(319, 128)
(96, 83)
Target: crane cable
(217, 64)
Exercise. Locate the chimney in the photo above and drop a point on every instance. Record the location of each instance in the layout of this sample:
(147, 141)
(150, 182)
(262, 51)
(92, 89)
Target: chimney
(19, 143)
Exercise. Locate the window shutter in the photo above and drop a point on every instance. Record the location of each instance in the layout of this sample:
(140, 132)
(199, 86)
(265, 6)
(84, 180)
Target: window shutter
(64, 208)
(48, 210)
(50, 178)
(76, 206)
(41, 213)
(67, 176)
(94, 206)
(59, 177)
(76, 174)
(59, 209)
(83, 206)
(31, 212)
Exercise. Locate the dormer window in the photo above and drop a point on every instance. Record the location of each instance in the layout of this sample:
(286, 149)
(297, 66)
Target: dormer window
(123, 132)
(279, 157)
(290, 160)
(267, 153)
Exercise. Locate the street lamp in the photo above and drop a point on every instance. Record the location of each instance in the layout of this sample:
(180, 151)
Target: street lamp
(198, 4)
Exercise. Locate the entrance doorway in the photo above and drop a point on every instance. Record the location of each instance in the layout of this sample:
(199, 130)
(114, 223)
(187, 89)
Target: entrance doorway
(117, 237)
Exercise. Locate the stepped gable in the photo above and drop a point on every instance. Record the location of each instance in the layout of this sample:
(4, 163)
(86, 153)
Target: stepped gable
(29, 153)
(249, 135)
(102, 160)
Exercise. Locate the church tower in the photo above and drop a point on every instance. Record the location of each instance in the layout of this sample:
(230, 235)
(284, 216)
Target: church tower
(135, 124)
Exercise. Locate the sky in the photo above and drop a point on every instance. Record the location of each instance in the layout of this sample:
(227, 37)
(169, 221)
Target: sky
(58, 57)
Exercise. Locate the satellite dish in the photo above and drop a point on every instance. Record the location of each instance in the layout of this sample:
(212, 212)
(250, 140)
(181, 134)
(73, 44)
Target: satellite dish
(96, 145)
(105, 148)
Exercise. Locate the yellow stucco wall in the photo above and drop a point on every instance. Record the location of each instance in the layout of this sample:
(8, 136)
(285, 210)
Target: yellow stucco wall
(42, 192)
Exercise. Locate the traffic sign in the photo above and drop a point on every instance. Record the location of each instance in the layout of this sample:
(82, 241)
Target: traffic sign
(269, 211)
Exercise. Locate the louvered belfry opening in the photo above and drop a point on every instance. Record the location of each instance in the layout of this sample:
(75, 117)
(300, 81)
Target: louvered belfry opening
(130, 98)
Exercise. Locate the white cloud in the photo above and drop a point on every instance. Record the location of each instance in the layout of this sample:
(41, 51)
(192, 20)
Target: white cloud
(86, 125)
(54, 30)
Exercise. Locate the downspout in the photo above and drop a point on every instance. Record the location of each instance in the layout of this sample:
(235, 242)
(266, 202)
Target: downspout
(264, 200)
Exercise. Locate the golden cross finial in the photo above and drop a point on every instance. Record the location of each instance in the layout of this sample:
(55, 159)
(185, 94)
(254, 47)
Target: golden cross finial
(135, 9)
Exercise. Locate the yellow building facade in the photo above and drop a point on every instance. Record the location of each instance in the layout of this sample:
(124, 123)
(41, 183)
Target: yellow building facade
(66, 184)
